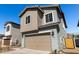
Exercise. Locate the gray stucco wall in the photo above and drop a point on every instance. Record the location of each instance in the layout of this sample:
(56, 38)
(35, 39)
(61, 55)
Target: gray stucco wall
(54, 41)
(62, 35)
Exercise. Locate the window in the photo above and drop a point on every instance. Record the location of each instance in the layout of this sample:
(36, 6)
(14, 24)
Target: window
(8, 27)
(27, 19)
(49, 17)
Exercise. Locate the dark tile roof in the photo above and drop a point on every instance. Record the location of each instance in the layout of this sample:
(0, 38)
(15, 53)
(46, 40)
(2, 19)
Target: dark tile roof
(30, 8)
(38, 8)
(62, 14)
(13, 24)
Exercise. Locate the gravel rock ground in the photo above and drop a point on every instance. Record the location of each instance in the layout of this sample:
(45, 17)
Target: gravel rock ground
(25, 51)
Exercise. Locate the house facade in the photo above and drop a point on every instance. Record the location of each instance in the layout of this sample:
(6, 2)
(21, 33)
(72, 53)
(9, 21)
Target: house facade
(12, 34)
(43, 28)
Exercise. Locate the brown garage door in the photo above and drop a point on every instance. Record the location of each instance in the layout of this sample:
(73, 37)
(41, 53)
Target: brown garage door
(6, 41)
(39, 42)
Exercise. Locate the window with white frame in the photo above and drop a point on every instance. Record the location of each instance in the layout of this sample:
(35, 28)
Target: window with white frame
(8, 28)
(49, 17)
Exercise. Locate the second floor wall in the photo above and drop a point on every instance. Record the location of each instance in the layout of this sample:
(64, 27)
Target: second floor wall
(50, 13)
(31, 23)
(38, 19)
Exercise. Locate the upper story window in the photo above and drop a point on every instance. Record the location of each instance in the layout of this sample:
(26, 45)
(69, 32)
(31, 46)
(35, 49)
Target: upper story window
(49, 17)
(27, 19)
(8, 28)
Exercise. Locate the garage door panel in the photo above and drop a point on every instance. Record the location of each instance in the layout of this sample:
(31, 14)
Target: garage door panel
(41, 42)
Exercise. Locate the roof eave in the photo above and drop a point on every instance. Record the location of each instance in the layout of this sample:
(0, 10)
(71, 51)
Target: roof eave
(29, 8)
(24, 10)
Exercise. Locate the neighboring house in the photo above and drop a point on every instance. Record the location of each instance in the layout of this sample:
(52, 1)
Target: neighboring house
(12, 34)
(76, 37)
(72, 40)
(1, 37)
(76, 40)
(43, 28)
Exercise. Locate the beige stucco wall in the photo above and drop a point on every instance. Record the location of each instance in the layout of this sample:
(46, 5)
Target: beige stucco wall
(33, 25)
(39, 18)
(16, 35)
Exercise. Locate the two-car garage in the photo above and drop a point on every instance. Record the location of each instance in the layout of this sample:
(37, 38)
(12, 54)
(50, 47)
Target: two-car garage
(38, 42)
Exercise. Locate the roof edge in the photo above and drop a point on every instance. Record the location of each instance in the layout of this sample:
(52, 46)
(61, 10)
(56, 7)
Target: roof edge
(38, 7)
(10, 22)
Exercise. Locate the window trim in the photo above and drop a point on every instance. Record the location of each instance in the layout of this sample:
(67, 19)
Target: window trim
(26, 22)
(48, 15)
(8, 28)
(53, 15)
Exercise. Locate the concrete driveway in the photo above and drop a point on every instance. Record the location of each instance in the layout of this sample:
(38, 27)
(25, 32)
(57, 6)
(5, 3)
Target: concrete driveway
(25, 51)
(30, 51)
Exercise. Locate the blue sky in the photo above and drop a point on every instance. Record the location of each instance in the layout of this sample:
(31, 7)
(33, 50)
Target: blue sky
(71, 12)
(9, 12)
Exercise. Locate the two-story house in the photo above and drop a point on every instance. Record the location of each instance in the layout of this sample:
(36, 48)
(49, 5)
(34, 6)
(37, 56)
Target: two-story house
(43, 28)
(12, 34)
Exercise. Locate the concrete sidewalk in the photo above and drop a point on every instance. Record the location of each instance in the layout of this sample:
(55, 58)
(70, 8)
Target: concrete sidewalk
(25, 51)
(30, 51)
